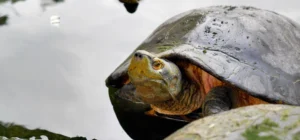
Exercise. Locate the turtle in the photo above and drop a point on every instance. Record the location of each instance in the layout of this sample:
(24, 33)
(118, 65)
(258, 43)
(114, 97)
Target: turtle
(203, 62)
(130, 5)
(257, 122)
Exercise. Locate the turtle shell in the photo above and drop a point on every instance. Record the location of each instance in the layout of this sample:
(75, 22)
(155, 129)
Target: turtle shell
(256, 50)
(253, 49)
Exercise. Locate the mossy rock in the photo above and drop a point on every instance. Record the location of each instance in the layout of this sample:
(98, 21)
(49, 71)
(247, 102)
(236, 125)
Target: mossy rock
(258, 122)
(12, 131)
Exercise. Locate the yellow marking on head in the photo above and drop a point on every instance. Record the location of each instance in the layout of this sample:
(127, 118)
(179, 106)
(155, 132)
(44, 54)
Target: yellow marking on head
(142, 67)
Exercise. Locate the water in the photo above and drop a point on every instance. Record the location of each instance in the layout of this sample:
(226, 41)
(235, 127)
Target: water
(52, 76)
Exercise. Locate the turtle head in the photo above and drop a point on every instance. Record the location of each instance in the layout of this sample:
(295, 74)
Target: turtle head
(155, 79)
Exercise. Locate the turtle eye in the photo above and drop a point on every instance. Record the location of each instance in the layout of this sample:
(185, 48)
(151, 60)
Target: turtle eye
(157, 65)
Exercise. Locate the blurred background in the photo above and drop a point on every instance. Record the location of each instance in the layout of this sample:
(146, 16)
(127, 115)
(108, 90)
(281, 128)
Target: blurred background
(52, 74)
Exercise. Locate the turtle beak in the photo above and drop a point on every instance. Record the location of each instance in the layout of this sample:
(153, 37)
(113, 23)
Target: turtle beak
(140, 54)
(139, 68)
(140, 57)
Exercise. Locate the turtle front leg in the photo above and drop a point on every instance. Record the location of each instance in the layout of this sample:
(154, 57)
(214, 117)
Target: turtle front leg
(217, 100)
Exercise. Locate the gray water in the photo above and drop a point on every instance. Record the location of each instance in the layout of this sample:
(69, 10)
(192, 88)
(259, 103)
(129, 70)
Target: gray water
(52, 77)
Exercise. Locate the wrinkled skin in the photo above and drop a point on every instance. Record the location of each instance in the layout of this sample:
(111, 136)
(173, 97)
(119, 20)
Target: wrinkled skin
(255, 50)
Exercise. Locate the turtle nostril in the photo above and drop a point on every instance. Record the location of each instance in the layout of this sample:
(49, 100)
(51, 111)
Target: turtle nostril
(138, 55)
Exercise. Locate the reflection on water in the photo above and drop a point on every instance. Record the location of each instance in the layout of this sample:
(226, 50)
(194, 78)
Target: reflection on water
(46, 3)
(3, 20)
(4, 17)
(53, 78)
(11, 1)
(130, 5)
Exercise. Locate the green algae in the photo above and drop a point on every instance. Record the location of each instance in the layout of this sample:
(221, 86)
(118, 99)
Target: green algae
(172, 34)
(252, 133)
(292, 126)
(12, 130)
(285, 115)
(190, 136)
(164, 48)
(296, 136)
